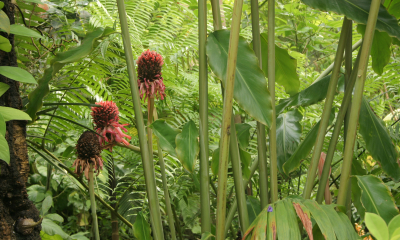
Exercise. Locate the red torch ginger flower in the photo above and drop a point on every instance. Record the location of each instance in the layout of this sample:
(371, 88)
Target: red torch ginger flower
(106, 119)
(88, 150)
(150, 81)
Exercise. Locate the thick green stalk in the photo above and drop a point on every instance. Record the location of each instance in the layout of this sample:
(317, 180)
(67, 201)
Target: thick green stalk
(203, 102)
(238, 179)
(233, 208)
(271, 86)
(335, 135)
(161, 162)
(226, 119)
(147, 159)
(261, 139)
(319, 143)
(150, 111)
(348, 70)
(95, 225)
(216, 15)
(356, 104)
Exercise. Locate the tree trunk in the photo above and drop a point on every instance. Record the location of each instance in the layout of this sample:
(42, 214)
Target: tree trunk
(14, 203)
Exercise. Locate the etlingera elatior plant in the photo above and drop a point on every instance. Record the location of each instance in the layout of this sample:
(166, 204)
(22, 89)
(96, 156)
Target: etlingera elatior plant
(106, 119)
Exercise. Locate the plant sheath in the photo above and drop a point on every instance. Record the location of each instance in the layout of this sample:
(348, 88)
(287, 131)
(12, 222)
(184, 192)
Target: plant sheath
(226, 119)
(356, 103)
(147, 159)
(95, 225)
(319, 143)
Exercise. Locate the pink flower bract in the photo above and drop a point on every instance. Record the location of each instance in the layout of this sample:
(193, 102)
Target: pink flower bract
(150, 81)
(106, 119)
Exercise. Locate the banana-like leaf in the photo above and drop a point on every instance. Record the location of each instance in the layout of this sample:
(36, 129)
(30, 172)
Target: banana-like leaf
(253, 207)
(75, 54)
(375, 197)
(380, 49)
(376, 226)
(187, 145)
(314, 93)
(166, 135)
(250, 91)
(279, 221)
(206, 236)
(141, 228)
(358, 11)
(3, 88)
(288, 133)
(285, 66)
(243, 134)
(378, 141)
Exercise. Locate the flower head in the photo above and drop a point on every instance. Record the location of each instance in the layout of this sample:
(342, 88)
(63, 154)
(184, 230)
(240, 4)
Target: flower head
(150, 81)
(106, 120)
(269, 208)
(88, 150)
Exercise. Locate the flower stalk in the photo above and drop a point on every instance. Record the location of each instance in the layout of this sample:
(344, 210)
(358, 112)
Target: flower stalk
(147, 159)
(356, 103)
(95, 225)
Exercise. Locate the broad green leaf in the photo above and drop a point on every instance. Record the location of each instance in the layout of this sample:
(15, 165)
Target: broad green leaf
(5, 44)
(1, 5)
(311, 95)
(291, 221)
(36, 193)
(250, 91)
(283, 228)
(288, 133)
(253, 207)
(394, 228)
(4, 149)
(378, 141)
(4, 22)
(376, 226)
(13, 114)
(187, 145)
(271, 228)
(54, 216)
(358, 10)
(46, 204)
(17, 74)
(206, 236)
(51, 228)
(394, 8)
(285, 66)
(46, 236)
(341, 226)
(24, 31)
(141, 228)
(356, 197)
(166, 135)
(245, 160)
(2, 126)
(302, 151)
(321, 218)
(380, 49)
(3, 88)
(376, 197)
(357, 168)
(243, 134)
(75, 54)
(260, 227)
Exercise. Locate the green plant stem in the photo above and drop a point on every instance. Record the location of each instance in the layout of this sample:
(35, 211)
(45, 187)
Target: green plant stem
(147, 159)
(238, 179)
(271, 87)
(95, 225)
(48, 179)
(216, 15)
(150, 111)
(330, 67)
(335, 134)
(234, 205)
(226, 119)
(319, 143)
(356, 104)
(133, 148)
(203, 112)
(61, 166)
(261, 139)
(161, 162)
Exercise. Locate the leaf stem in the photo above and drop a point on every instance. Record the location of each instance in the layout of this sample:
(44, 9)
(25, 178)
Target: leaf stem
(147, 159)
(261, 139)
(203, 112)
(356, 104)
(271, 88)
(95, 224)
(226, 119)
(319, 143)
